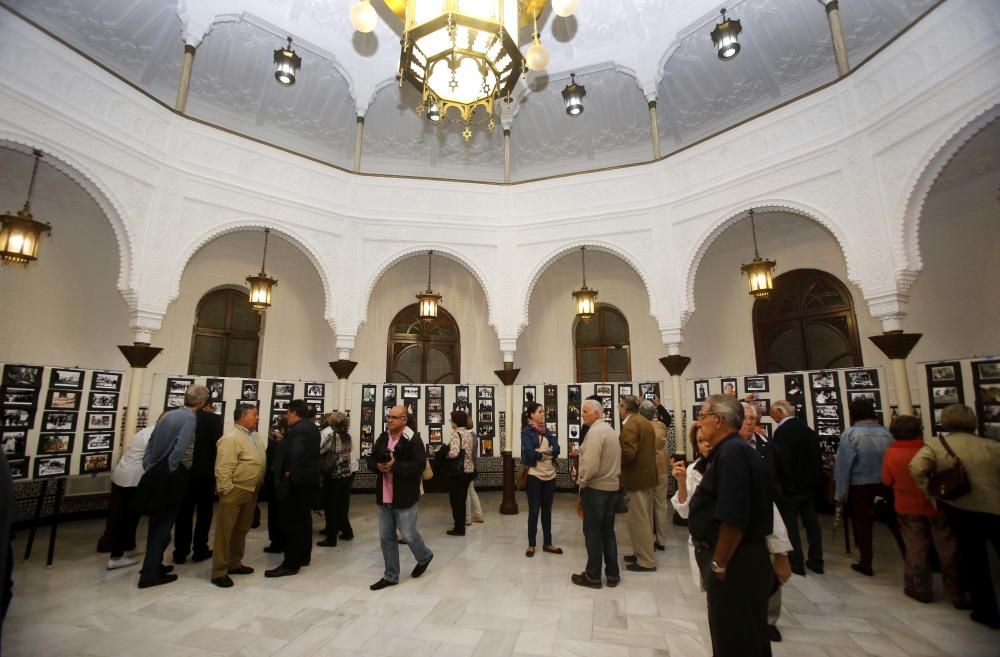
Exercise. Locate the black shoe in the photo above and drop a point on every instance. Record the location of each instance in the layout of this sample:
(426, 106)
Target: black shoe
(281, 571)
(581, 579)
(324, 532)
(613, 581)
(178, 559)
(990, 622)
(402, 541)
(346, 537)
(455, 532)
(657, 546)
(636, 568)
(164, 570)
(273, 549)
(863, 569)
(381, 584)
(145, 583)
(421, 568)
(242, 570)
(201, 556)
(326, 542)
(223, 582)
(815, 567)
(306, 562)
(799, 570)
(630, 558)
(773, 634)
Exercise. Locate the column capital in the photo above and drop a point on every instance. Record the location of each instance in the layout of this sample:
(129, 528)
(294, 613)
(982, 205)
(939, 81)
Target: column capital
(139, 354)
(675, 364)
(507, 347)
(890, 308)
(345, 344)
(672, 338)
(896, 345)
(343, 368)
(144, 323)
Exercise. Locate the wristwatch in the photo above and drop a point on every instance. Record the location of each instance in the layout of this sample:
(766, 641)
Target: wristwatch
(716, 568)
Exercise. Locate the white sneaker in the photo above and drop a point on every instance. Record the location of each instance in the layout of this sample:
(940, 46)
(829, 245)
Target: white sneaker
(121, 562)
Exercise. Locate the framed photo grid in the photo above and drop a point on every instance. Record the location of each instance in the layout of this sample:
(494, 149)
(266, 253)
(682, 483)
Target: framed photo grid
(986, 382)
(944, 388)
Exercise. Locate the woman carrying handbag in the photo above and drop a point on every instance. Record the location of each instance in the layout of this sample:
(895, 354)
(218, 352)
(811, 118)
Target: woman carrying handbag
(459, 470)
(539, 451)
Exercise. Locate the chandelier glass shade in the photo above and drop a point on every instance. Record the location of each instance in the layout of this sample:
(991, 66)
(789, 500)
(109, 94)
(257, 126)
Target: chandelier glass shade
(261, 284)
(20, 233)
(363, 16)
(726, 36)
(760, 272)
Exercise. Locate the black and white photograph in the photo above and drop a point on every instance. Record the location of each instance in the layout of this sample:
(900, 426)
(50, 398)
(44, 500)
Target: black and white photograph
(434, 405)
(411, 392)
(178, 386)
(275, 419)
(388, 395)
(648, 390)
(603, 389)
(462, 393)
(103, 401)
(91, 463)
(250, 402)
(862, 379)
(944, 395)
(283, 390)
(574, 432)
(552, 426)
(435, 392)
(51, 466)
(942, 373)
(19, 468)
(55, 443)
(317, 405)
(19, 397)
(701, 390)
(528, 394)
(827, 429)
(22, 376)
(991, 430)
(695, 413)
(828, 412)
(66, 378)
(173, 400)
(63, 400)
(97, 442)
(58, 421)
(435, 418)
(624, 389)
(729, 387)
(484, 391)
(822, 380)
(871, 395)
(988, 370)
(486, 416)
(280, 404)
(18, 417)
(755, 384)
(823, 396)
(315, 389)
(216, 389)
(793, 386)
(217, 407)
(989, 393)
(100, 421)
(763, 407)
(991, 413)
(109, 381)
(367, 394)
(250, 389)
(14, 443)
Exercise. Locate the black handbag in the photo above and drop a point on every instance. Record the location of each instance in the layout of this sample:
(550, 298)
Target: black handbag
(446, 467)
(950, 483)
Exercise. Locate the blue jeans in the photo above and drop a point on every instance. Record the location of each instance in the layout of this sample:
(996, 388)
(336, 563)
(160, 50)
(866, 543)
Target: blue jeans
(405, 520)
(540, 496)
(599, 532)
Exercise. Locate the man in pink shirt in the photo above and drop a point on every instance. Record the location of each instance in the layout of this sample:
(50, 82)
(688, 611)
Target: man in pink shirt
(398, 458)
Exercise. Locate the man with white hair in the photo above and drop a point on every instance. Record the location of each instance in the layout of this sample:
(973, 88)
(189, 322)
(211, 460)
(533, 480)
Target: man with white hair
(599, 473)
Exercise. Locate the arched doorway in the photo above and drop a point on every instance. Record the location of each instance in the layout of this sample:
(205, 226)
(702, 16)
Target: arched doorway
(226, 335)
(423, 351)
(602, 347)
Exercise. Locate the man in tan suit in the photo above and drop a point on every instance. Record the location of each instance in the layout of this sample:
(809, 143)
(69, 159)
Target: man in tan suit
(639, 478)
(239, 469)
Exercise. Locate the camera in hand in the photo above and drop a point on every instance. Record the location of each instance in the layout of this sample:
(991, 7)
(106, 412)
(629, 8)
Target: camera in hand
(678, 457)
(383, 457)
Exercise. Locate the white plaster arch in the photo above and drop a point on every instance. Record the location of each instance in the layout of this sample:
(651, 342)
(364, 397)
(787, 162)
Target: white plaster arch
(573, 246)
(239, 225)
(421, 249)
(905, 227)
(78, 171)
(737, 213)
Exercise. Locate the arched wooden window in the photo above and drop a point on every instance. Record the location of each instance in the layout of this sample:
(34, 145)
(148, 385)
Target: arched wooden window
(807, 324)
(602, 346)
(226, 335)
(423, 351)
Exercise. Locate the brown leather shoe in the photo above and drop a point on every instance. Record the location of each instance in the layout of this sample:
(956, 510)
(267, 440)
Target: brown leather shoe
(581, 579)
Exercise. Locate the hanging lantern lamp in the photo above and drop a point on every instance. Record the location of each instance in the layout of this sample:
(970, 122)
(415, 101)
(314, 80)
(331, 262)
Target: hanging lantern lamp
(586, 299)
(726, 36)
(574, 94)
(261, 284)
(428, 308)
(759, 271)
(286, 64)
(20, 233)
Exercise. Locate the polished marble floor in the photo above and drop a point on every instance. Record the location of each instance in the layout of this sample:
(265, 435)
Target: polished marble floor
(480, 597)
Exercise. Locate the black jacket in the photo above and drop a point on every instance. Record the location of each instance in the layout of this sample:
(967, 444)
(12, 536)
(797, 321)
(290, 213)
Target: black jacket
(208, 430)
(297, 454)
(797, 460)
(407, 471)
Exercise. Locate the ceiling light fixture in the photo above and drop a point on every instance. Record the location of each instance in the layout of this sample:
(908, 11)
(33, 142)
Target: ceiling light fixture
(586, 299)
(537, 56)
(565, 8)
(726, 36)
(20, 233)
(363, 16)
(261, 284)
(286, 64)
(428, 308)
(759, 271)
(574, 94)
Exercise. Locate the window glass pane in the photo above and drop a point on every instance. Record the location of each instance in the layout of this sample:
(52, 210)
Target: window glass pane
(212, 313)
(590, 360)
(408, 363)
(786, 352)
(243, 317)
(206, 356)
(587, 332)
(438, 365)
(617, 362)
(615, 327)
(242, 352)
(827, 342)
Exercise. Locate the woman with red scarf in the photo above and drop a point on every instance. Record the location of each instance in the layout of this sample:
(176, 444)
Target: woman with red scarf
(539, 451)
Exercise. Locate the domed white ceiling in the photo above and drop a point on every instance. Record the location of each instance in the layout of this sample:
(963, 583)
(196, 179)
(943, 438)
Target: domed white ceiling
(623, 51)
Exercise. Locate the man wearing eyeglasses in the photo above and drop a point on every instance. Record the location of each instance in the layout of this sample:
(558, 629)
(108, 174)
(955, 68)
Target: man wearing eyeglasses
(398, 458)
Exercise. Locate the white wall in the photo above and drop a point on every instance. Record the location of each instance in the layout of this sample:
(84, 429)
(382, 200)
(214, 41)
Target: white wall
(545, 351)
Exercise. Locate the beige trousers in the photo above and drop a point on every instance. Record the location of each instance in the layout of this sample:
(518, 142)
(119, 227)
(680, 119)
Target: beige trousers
(640, 525)
(233, 518)
(661, 509)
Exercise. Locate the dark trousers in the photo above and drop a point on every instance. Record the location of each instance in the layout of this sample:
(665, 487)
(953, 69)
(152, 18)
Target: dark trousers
(973, 530)
(296, 525)
(737, 606)
(599, 532)
(458, 489)
(540, 496)
(793, 507)
(337, 507)
(160, 524)
(861, 506)
(123, 519)
(199, 498)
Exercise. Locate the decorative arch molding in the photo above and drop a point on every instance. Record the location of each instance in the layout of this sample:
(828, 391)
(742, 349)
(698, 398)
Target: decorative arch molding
(106, 199)
(570, 247)
(421, 249)
(905, 228)
(727, 220)
(239, 225)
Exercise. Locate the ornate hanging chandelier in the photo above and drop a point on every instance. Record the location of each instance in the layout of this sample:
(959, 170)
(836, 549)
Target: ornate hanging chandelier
(586, 299)
(20, 233)
(428, 301)
(261, 284)
(759, 271)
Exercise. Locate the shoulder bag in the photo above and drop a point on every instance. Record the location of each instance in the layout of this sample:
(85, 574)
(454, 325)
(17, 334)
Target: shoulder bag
(522, 477)
(950, 483)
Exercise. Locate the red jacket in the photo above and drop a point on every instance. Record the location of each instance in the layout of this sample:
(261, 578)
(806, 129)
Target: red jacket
(910, 499)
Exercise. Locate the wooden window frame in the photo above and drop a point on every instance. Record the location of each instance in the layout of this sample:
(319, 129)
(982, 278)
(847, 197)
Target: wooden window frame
(603, 347)
(227, 333)
(425, 342)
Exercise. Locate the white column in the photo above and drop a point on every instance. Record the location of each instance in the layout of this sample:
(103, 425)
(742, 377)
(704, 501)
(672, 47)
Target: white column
(185, 82)
(837, 34)
(359, 137)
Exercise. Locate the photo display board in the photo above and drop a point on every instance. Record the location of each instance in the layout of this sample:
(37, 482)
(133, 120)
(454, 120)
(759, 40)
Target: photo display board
(944, 388)
(986, 382)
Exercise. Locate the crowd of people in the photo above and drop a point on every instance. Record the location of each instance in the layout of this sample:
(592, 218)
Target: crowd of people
(742, 493)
